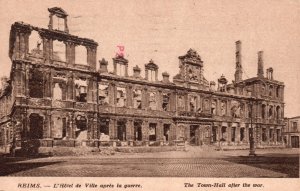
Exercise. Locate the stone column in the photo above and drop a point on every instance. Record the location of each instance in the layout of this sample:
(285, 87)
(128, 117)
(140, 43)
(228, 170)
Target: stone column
(126, 70)
(238, 134)
(130, 130)
(172, 133)
(112, 129)
(145, 131)
(111, 93)
(247, 133)
(229, 133)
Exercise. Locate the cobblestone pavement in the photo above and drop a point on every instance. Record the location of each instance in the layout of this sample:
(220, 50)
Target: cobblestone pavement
(193, 163)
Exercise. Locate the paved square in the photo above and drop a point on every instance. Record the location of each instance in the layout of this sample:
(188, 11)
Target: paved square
(192, 163)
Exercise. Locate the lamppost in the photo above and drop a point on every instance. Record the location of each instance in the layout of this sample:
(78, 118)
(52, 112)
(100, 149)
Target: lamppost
(251, 133)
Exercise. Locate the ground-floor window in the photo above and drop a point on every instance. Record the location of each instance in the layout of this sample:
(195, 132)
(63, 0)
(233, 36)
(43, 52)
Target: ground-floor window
(166, 132)
(81, 124)
(233, 134)
(278, 135)
(137, 130)
(193, 133)
(271, 136)
(214, 134)
(223, 133)
(36, 126)
(152, 132)
(242, 134)
(103, 127)
(121, 127)
(264, 134)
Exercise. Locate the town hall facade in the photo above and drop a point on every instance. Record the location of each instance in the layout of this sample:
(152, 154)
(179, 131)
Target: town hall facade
(58, 97)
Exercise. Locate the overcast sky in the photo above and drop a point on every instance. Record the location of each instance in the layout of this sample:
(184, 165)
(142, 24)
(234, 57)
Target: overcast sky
(164, 30)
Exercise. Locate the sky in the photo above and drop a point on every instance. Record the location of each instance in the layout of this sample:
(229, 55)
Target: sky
(164, 30)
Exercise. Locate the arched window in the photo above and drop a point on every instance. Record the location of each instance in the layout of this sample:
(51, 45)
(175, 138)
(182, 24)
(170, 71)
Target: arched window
(271, 90)
(278, 112)
(278, 91)
(263, 111)
(263, 89)
(271, 112)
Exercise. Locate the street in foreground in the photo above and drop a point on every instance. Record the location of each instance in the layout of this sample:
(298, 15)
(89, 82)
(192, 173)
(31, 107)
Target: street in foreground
(192, 163)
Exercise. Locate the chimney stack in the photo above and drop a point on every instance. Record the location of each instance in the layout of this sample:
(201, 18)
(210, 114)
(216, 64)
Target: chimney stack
(103, 66)
(166, 77)
(260, 63)
(136, 72)
(238, 76)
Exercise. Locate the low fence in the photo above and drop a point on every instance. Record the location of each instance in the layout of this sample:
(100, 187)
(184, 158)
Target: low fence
(36, 143)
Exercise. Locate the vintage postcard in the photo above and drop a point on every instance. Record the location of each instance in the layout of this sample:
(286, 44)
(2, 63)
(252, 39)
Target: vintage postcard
(149, 95)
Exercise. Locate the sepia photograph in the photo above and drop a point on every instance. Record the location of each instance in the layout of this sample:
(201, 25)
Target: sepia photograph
(131, 95)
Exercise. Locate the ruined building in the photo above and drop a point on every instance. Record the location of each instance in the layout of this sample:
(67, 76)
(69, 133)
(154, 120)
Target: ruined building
(55, 96)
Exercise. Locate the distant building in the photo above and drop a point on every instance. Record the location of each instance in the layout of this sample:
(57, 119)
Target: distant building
(55, 97)
(292, 131)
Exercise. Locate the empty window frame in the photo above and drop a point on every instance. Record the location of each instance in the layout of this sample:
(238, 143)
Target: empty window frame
(59, 51)
(137, 99)
(36, 84)
(166, 102)
(35, 46)
(152, 101)
(121, 97)
(81, 90)
(81, 55)
(103, 94)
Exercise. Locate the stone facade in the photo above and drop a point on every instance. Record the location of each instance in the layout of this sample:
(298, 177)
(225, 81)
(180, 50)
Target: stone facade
(53, 100)
(291, 132)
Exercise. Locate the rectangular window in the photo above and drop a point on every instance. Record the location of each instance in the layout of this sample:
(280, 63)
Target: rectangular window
(103, 94)
(294, 127)
(152, 132)
(166, 100)
(121, 97)
(81, 90)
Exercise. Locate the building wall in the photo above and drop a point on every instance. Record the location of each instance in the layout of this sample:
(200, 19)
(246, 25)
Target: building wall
(62, 102)
(292, 132)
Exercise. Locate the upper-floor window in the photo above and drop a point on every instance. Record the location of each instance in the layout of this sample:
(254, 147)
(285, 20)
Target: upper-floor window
(121, 69)
(57, 92)
(152, 101)
(81, 55)
(180, 103)
(271, 112)
(278, 91)
(213, 107)
(137, 99)
(223, 108)
(36, 84)
(59, 51)
(58, 23)
(103, 94)
(263, 89)
(35, 46)
(81, 90)
(193, 103)
(294, 126)
(166, 102)
(278, 112)
(121, 97)
(271, 90)
(263, 111)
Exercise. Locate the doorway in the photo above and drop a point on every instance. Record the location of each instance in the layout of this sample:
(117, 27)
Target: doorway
(295, 141)
(194, 131)
(36, 126)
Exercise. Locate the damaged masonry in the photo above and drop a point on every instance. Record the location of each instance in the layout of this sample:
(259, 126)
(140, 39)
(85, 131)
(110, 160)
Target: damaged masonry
(55, 97)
